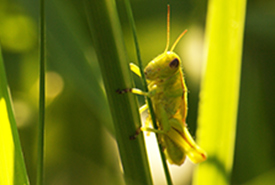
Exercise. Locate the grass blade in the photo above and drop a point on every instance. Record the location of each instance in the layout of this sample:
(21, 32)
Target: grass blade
(113, 61)
(220, 90)
(41, 122)
(12, 165)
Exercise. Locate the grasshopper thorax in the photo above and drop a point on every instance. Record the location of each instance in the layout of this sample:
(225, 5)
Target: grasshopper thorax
(163, 66)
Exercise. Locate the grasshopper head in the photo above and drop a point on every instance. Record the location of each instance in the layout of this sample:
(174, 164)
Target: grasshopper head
(167, 63)
(163, 66)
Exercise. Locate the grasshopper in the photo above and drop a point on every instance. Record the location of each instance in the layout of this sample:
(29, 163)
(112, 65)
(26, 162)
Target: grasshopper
(168, 93)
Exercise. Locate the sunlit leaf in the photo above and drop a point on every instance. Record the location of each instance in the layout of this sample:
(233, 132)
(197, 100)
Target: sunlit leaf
(220, 90)
(12, 166)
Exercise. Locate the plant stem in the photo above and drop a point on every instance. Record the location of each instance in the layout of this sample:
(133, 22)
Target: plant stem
(41, 121)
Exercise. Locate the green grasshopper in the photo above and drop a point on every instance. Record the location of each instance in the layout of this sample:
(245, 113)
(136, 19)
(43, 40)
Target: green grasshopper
(168, 93)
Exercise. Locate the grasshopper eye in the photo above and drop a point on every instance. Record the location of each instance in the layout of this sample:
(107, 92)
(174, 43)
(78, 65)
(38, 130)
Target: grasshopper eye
(174, 63)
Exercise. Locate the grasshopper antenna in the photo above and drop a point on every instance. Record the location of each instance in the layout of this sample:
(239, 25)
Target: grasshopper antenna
(168, 29)
(168, 33)
(178, 39)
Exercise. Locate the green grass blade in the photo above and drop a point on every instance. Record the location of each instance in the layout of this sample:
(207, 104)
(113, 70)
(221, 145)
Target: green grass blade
(12, 165)
(149, 102)
(109, 45)
(41, 122)
(220, 90)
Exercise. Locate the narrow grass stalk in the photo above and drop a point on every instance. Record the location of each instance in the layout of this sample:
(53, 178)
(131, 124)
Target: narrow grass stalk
(41, 121)
(114, 64)
(149, 102)
(12, 165)
(220, 90)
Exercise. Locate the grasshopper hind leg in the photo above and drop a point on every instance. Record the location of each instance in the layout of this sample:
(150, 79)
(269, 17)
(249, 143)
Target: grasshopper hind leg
(174, 154)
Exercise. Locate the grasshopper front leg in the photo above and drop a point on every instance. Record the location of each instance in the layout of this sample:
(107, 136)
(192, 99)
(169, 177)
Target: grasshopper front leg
(138, 91)
(133, 90)
(135, 69)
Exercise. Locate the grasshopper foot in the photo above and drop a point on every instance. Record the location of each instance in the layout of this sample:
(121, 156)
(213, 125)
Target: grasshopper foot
(133, 137)
(123, 91)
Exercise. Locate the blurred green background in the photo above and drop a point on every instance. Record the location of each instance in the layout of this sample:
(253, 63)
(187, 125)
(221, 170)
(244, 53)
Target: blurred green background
(80, 148)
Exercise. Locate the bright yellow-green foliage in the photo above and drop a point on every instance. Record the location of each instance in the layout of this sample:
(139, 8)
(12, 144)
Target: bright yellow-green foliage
(220, 90)
(7, 146)
(12, 166)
